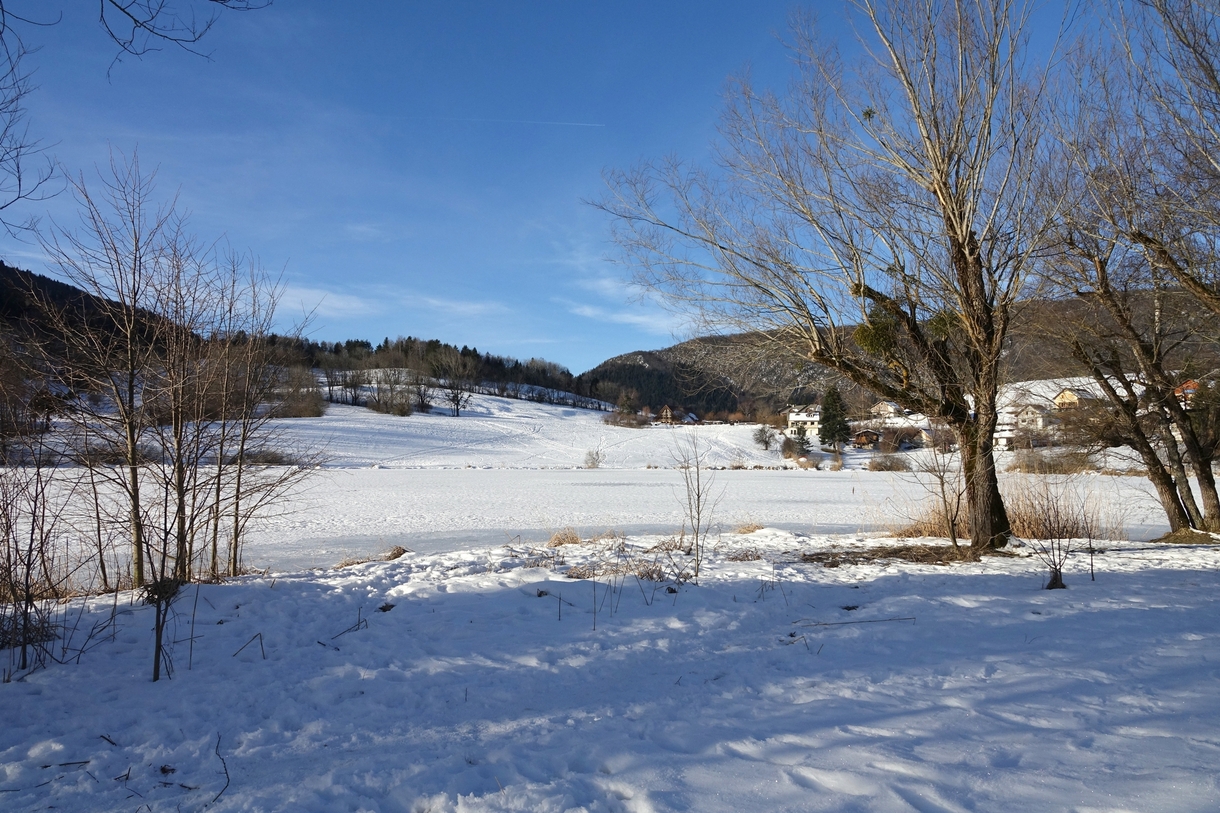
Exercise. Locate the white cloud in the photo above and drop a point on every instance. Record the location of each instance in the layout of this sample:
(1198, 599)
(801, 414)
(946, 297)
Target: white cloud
(325, 303)
(457, 307)
(363, 231)
(650, 321)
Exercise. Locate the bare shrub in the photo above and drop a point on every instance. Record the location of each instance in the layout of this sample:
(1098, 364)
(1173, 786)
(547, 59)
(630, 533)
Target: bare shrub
(593, 458)
(1032, 461)
(266, 457)
(1052, 516)
(301, 396)
(743, 555)
(765, 437)
(888, 462)
(566, 536)
(631, 420)
(810, 461)
(836, 463)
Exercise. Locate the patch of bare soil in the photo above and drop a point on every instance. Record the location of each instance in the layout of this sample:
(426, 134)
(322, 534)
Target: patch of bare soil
(919, 554)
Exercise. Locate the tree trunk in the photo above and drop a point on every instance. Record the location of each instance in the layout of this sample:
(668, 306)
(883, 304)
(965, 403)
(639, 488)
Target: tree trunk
(989, 526)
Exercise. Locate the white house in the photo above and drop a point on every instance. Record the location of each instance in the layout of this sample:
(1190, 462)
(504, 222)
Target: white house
(805, 420)
(887, 409)
(1033, 418)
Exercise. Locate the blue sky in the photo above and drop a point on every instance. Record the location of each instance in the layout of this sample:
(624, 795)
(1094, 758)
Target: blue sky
(415, 168)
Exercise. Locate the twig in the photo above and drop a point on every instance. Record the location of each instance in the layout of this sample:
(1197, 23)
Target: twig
(642, 593)
(361, 623)
(842, 623)
(107, 739)
(190, 654)
(224, 765)
(259, 636)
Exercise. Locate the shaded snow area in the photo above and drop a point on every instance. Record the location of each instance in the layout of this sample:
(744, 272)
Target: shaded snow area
(481, 681)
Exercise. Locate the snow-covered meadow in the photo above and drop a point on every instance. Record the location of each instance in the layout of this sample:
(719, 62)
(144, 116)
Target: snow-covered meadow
(473, 675)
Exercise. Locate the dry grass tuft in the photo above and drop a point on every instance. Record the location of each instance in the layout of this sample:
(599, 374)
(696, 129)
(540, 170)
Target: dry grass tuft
(672, 544)
(567, 536)
(888, 462)
(749, 528)
(396, 552)
(743, 555)
(931, 521)
(1051, 510)
(1032, 461)
(649, 571)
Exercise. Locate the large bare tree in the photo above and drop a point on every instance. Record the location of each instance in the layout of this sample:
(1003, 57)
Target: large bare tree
(879, 219)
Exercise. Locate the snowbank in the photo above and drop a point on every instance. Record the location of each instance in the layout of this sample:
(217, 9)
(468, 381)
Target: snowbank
(491, 685)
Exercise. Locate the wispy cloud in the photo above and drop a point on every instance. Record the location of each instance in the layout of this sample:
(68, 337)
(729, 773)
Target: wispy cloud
(363, 231)
(325, 303)
(650, 321)
(458, 307)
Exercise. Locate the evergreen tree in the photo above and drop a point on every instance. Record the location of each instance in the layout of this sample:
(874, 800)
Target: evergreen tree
(833, 428)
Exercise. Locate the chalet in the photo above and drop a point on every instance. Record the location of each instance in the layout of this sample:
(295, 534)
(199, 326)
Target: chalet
(1033, 418)
(804, 420)
(665, 416)
(1073, 397)
(866, 439)
(887, 409)
(1185, 392)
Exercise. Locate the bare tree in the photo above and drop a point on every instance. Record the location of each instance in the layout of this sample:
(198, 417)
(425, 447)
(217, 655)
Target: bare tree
(1173, 48)
(699, 496)
(456, 373)
(1134, 325)
(173, 376)
(879, 220)
(109, 341)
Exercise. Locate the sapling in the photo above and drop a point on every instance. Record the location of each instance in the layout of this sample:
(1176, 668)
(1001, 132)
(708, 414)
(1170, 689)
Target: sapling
(700, 496)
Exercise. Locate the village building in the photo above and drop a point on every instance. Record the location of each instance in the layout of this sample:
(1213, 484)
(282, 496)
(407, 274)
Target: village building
(804, 420)
(866, 439)
(887, 409)
(1073, 397)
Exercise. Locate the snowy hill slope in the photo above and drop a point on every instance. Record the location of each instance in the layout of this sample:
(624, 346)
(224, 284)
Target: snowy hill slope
(508, 433)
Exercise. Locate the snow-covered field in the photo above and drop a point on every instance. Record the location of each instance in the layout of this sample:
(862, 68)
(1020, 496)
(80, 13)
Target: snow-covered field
(514, 468)
(471, 676)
